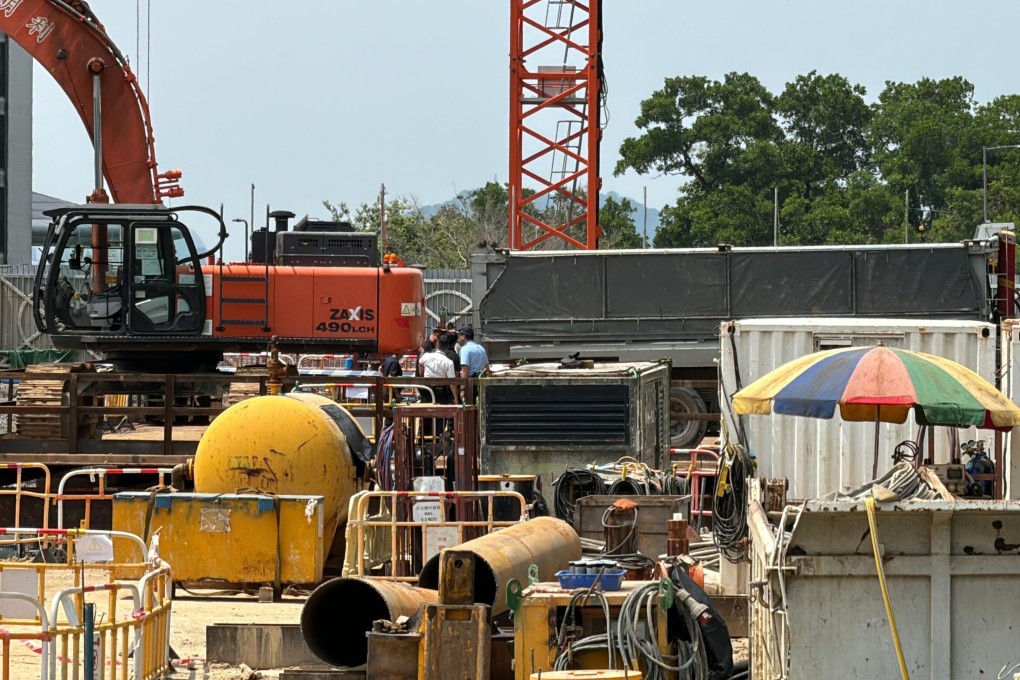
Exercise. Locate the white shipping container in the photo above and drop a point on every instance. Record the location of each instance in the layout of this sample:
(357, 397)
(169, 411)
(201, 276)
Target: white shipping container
(822, 456)
(1010, 372)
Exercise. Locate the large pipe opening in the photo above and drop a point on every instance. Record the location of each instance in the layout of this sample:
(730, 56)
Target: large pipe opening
(338, 613)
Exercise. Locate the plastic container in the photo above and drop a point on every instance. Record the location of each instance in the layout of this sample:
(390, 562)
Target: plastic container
(610, 580)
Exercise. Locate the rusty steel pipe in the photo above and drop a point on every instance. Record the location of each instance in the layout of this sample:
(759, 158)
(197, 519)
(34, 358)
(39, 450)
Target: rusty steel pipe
(546, 542)
(338, 613)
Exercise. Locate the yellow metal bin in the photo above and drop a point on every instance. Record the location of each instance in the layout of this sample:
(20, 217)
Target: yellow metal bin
(231, 538)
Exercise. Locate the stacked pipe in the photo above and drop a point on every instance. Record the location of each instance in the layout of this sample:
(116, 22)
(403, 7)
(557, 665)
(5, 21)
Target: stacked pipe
(340, 612)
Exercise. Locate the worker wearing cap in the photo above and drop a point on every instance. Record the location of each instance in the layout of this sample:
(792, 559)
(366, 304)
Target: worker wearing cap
(473, 357)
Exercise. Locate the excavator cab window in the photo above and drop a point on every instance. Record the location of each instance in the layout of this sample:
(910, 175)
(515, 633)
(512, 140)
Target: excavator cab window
(87, 282)
(167, 295)
(106, 275)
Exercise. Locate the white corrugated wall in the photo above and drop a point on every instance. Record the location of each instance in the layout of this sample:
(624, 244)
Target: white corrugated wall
(821, 456)
(1010, 371)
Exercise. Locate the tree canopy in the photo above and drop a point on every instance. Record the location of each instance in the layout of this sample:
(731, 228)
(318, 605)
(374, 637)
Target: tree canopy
(845, 171)
(445, 237)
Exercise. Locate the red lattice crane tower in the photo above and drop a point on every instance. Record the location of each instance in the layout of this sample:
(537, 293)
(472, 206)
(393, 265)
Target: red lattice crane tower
(556, 91)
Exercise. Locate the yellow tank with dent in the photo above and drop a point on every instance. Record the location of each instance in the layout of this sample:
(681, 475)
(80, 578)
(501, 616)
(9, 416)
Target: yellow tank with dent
(282, 445)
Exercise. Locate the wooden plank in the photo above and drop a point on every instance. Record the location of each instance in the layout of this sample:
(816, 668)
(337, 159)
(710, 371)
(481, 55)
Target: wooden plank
(762, 538)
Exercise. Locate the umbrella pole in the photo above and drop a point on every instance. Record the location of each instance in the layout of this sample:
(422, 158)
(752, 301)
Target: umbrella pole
(874, 465)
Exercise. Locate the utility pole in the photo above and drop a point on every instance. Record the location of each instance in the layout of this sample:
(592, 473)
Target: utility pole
(906, 216)
(382, 216)
(984, 172)
(252, 223)
(645, 243)
(775, 218)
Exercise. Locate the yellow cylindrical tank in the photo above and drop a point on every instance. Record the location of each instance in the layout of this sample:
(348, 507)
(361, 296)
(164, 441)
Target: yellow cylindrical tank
(289, 444)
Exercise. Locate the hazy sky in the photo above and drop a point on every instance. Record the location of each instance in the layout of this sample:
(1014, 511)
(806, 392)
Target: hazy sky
(327, 100)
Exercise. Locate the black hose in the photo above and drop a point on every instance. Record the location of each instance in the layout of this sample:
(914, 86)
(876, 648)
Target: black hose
(729, 512)
(627, 486)
(574, 484)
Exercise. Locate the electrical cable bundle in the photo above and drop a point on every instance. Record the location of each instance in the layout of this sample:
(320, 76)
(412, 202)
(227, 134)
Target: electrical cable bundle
(572, 485)
(602, 641)
(635, 641)
(638, 613)
(626, 545)
(627, 486)
(729, 515)
(383, 458)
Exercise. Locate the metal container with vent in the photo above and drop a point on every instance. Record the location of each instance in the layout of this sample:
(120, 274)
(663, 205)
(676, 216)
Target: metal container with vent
(540, 419)
(327, 249)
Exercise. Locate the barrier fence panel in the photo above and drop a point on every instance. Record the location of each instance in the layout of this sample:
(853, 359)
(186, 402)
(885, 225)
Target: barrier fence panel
(98, 476)
(19, 490)
(389, 547)
(131, 638)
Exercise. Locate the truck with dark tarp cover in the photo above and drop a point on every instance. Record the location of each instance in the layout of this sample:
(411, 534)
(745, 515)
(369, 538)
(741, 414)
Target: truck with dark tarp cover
(647, 305)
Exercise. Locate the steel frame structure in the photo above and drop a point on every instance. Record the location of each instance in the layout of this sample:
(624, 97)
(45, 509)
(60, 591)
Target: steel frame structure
(573, 90)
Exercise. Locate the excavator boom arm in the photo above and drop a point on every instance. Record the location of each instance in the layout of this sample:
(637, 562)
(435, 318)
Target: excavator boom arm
(67, 39)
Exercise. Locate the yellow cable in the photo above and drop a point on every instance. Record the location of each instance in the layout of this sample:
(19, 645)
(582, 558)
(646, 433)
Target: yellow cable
(869, 505)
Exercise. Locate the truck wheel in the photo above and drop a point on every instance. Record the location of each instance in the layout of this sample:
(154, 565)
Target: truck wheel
(685, 433)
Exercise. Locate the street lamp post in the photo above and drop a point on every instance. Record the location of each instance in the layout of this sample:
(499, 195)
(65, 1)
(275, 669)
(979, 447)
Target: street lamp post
(984, 172)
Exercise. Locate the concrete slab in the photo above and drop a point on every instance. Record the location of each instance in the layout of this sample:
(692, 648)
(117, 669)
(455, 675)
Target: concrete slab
(258, 645)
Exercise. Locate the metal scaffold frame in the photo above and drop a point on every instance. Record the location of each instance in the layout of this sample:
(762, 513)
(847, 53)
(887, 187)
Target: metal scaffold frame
(554, 121)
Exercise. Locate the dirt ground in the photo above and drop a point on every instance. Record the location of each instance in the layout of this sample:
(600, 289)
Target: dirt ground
(193, 614)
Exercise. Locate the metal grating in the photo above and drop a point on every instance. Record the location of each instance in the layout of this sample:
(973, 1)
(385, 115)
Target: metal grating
(569, 414)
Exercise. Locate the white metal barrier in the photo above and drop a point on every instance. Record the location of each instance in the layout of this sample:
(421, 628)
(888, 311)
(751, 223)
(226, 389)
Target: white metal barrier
(427, 530)
(100, 495)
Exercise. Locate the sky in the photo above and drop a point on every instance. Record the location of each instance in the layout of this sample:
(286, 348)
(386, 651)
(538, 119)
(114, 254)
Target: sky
(331, 99)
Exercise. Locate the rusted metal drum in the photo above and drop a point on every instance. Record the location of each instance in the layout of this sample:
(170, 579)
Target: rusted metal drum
(506, 554)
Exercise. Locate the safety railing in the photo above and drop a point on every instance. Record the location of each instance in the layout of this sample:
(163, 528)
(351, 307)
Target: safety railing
(170, 392)
(128, 641)
(98, 476)
(36, 635)
(696, 472)
(407, 527)
(56, 552)
(19, 491)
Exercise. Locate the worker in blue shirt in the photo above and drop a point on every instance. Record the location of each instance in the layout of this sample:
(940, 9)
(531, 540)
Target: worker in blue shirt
(473, 357)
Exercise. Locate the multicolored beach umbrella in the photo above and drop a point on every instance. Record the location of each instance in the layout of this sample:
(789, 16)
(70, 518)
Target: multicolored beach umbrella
(879, 384)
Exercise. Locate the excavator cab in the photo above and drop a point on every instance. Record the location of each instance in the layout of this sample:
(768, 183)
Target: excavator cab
(120, 272)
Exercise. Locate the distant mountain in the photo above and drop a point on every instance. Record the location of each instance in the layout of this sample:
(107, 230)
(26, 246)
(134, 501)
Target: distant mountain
(638, 212)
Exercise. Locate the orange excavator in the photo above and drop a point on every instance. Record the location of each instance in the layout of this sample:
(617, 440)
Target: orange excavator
(132, 280)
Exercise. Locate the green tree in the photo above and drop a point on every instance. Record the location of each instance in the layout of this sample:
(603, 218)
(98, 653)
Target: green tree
(698, 128)
(922, 143)
(616, 218)
(828, 117)
(841, 167)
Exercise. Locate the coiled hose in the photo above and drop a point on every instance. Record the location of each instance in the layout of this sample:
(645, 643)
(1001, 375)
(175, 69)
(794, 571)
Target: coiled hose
(729, 514)
(572, 485)
(635, 643)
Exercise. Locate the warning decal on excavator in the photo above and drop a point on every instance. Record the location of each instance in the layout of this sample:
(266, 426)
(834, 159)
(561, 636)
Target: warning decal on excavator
(409, 309)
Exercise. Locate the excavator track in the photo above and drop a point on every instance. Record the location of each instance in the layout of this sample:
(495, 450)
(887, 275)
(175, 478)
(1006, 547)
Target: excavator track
(42, 392)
